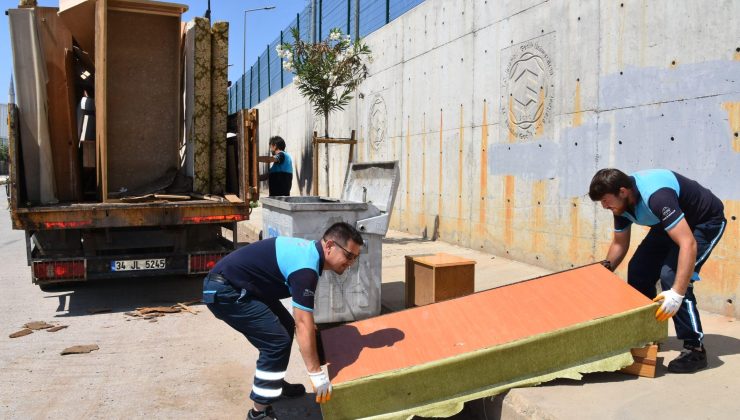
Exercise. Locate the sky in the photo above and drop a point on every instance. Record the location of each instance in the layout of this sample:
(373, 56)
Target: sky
(262, 28)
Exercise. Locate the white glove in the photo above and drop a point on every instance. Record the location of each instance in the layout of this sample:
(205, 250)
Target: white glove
(321, 385)
(671, 303)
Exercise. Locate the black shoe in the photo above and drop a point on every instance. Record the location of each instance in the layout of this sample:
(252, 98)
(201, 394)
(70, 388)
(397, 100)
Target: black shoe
(293, 390)
(690, 360)
(268, 414)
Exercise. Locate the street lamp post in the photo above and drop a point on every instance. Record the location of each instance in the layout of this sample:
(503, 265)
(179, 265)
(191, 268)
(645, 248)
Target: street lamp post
(244, 52)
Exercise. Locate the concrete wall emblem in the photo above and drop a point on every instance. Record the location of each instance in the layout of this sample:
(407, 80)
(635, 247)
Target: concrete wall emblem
(377, 122)
(528, 84)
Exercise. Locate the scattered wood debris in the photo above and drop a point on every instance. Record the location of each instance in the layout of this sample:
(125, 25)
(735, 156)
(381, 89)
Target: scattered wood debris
(158, 311)
(87, 348)
(21, 333)
(57, 328)
(32, 326)
(37, 325)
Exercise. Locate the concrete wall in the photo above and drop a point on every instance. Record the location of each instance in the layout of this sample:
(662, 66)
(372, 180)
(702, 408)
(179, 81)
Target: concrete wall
(501, 111)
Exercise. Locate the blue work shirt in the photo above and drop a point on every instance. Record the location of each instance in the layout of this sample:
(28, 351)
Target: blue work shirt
(665, 197)
(276, 268)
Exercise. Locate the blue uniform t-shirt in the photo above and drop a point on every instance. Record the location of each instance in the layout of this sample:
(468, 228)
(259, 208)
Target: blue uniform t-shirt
(665, 197)
(276, 268)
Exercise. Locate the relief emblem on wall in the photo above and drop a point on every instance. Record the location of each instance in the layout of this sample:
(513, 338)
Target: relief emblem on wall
(528, 89)
(377, 122)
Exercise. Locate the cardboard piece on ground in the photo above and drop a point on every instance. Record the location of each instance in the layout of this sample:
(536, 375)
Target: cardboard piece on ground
(57, 328)
(37, 325)
(86, 348)
(21, 333)
(482, 344)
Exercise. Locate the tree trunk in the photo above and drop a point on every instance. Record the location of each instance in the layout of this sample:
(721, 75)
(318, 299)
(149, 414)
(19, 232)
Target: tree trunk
(326, 153)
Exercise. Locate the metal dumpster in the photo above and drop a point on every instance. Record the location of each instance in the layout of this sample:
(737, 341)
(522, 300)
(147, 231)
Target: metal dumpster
(366, 202)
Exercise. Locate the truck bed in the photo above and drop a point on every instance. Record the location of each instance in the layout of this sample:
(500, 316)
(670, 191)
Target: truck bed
(119, 214)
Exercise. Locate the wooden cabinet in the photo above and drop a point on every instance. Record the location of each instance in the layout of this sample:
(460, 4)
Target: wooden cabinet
(436, 277)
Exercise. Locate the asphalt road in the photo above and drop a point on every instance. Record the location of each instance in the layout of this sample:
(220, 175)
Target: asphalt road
(180, 366)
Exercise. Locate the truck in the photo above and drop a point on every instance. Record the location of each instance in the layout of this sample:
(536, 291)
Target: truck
(107, 213)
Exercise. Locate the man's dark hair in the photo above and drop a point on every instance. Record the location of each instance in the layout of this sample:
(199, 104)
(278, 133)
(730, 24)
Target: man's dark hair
(342, 232)
(608, 181)
(278, 142)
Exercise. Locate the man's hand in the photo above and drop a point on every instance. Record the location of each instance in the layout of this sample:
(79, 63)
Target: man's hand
(607, 264)
(321, 386)
(671, 303)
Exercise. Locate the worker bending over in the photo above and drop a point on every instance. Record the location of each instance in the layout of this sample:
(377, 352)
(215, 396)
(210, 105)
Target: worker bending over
(686, 221)
(244, 290)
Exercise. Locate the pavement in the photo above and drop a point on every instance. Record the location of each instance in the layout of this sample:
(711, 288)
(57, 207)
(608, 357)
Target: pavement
(190, 365)
(707, 394)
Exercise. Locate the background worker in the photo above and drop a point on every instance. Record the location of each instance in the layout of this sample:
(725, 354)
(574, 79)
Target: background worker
(244, 290)
(280, 177)
(686, 221)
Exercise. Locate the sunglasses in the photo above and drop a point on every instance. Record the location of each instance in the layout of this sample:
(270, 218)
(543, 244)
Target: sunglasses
(348, 255)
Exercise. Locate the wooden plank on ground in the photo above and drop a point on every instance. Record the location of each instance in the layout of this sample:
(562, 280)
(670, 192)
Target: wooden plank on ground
(645, 361)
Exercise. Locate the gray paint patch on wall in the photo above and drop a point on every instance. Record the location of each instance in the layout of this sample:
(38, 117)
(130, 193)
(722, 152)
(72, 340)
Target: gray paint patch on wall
(572, 161)
(689, 137)
(682, 127)
(641, 86)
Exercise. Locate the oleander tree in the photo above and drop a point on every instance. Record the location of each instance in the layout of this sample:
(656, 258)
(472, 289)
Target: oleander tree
(326, 72)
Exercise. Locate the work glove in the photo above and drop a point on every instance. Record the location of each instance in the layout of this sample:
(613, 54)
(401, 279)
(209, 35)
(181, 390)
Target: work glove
(321, 385)
(671, 303)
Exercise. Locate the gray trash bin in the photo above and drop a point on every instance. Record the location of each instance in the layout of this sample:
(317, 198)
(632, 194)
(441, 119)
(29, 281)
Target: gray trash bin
(366, 202)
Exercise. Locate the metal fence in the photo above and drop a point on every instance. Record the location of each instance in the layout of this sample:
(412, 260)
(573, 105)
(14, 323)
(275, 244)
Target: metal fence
(266, 76)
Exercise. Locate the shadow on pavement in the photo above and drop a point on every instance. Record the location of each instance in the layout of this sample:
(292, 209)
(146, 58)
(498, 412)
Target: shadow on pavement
(123, 295)
(304, 407)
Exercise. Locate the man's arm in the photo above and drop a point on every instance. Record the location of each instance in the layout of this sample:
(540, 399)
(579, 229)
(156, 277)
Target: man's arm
(306, 334)
(305, 331)
(618, 248)
(266, 159)
(684, 238)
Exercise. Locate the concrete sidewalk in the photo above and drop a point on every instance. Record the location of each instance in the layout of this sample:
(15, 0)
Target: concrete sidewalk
(710, 393)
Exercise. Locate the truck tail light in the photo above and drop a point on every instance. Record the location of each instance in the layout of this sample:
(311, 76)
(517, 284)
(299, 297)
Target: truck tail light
(202, 263)
(214, 219)
(54, 270)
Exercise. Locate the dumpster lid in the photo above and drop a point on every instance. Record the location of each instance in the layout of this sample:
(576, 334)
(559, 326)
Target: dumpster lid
(372, 182)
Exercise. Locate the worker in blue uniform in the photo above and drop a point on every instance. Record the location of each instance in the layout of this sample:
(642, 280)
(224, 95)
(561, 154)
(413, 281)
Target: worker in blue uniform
(686, 222)
(280, 177)
(244, 290)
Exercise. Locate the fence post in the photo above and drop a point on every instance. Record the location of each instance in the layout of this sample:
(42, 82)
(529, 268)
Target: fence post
(321, 17)
(357, 20)
(280, 62)
(269, 89)
(387, 11)
(251, 74)
(349, 12)
(259, 80)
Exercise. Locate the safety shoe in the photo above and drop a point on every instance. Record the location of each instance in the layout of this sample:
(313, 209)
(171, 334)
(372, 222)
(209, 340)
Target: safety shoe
(690, 360)
(293, 390)
(268, 414)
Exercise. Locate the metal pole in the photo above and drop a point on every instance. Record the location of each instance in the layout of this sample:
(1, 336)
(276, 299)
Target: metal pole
(313, 21)
(280, 62)
(321, 15)
(251, 74)
(269, 88)
(349, 13)
(259, 81)
(357, 20)
(387, 11)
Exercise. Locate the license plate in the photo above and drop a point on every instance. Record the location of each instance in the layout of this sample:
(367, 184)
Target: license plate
(132, 265)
